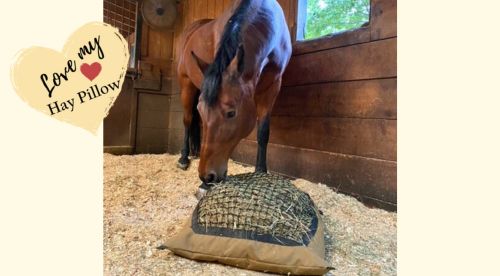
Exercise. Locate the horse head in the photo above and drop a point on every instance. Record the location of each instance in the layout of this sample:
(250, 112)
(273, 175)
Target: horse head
(228, 113)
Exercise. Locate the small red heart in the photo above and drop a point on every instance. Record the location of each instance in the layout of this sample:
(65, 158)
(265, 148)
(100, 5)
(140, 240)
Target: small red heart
(91, 71)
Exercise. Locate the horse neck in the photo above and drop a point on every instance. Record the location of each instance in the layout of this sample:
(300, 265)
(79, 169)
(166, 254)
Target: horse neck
(258, 39)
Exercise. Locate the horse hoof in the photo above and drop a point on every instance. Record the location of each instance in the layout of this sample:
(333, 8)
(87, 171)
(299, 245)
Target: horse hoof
(200, 193)
(182, 166)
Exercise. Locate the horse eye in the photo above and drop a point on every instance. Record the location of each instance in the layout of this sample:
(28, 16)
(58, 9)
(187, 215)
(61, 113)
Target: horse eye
(231, 114)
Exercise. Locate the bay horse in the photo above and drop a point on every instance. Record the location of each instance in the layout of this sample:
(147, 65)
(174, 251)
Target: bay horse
(230, 70)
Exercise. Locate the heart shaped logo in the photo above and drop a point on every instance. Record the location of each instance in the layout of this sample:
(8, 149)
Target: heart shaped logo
(91, 71)
(78, 85)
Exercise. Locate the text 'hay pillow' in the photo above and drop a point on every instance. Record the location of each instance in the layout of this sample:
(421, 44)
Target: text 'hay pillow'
(255, 221)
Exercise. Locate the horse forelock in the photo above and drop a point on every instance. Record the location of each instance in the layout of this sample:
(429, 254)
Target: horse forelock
(226, 52)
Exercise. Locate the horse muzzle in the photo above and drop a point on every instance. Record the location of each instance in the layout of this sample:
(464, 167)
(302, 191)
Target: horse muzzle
(213, 178)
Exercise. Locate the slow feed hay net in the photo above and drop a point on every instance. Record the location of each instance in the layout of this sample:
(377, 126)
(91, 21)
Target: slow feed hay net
(256, 221)
(257, 206)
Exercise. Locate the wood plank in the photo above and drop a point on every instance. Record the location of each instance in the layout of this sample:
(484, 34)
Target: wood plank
(211, 8)
(200, 9)
(153, 102)
(185, 12)
(189, 8)
(383, 19)
(176, 120)
(157, 65)
(119, 150)
(153, 119)
(118, 130)
(355, 99)
(175, 140)
(372, 138)
(360, 35)
(152, 123)
(219, 7)
(228, 4)
(176, 104)
(361, 61)
(360, 176)
(152, 140)
(144, 40)
(179, 26)
(292, 20)
(154, 86)
(166, 45)
(154, 44)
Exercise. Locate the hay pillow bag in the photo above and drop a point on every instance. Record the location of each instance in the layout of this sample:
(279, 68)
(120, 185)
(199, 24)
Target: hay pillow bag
(255, 221)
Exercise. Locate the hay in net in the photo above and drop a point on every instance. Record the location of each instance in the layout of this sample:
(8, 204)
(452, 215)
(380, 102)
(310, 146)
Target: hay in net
(257, 206)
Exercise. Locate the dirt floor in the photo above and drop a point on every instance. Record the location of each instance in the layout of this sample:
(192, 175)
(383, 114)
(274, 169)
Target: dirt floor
(147, 199)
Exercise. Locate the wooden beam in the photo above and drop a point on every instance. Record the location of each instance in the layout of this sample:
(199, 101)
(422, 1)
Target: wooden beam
(362, 61)
(353, 99)
(372, 138)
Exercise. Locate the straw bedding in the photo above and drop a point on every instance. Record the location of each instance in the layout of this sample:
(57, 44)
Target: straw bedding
(147, 200)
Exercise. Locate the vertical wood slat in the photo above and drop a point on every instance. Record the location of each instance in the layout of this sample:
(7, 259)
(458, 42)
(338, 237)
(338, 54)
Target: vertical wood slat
(292, 20)
(145, 41)
(211, 9)
(200, 9)
(383, 19)
(154, 43)
(166, 45)
(179, 26)
(186, 12)
(219, 7)
(227, 4)
(190, 11)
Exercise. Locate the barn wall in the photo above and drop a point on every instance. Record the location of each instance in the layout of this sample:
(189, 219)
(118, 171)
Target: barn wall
(147, 95)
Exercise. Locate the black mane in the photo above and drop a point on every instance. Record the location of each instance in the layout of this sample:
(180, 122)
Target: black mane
(228, 46)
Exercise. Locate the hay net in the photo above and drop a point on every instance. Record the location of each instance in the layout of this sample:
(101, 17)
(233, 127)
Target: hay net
(257, 206)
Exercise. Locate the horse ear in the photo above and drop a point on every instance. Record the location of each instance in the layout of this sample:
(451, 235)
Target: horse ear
(201, 64)
(237, 64)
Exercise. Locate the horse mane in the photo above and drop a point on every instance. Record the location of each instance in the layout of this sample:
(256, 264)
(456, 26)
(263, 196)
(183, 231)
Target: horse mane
(227, 49)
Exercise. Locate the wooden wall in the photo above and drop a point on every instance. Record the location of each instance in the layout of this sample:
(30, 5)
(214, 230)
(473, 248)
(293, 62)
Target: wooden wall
(148, 96)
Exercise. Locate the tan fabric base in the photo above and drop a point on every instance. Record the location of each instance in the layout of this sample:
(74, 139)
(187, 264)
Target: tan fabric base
(254, 255)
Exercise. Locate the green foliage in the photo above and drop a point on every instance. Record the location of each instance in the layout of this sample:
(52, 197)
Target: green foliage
(333, 16)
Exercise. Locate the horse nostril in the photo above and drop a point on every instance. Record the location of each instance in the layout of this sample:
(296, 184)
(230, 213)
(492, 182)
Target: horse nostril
(209, 178)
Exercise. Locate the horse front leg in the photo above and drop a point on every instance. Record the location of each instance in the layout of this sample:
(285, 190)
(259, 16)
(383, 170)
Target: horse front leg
(188, 97)
(262, 141)
(183, 162)
(265, 102)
